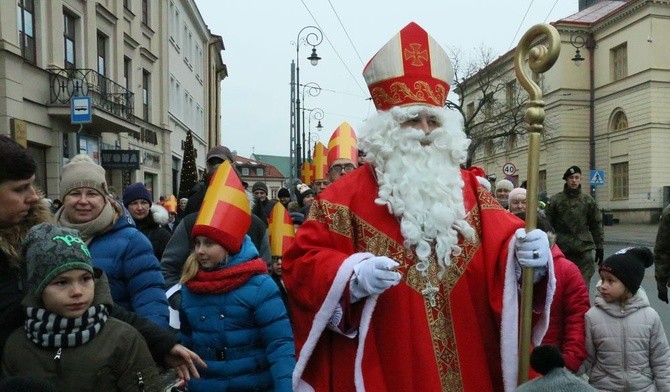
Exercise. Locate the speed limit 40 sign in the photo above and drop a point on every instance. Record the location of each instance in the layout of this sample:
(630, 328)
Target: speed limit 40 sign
(509, 169)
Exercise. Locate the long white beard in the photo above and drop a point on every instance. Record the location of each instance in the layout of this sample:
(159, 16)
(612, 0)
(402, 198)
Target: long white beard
(421, 185)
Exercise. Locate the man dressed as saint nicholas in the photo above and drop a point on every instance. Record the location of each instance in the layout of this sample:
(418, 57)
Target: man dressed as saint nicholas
(404, 277)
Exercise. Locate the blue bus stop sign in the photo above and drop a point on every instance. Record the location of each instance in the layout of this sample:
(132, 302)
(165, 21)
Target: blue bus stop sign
(80, 110)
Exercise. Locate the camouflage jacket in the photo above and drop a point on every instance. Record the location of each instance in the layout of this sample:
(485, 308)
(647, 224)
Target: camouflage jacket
(662, 248)
(577, 221)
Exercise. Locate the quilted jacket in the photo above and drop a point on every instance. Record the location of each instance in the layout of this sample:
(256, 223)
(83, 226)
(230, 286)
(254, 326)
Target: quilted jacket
(627, 347)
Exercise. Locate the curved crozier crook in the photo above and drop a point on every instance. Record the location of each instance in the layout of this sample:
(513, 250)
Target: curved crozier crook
(540, 57)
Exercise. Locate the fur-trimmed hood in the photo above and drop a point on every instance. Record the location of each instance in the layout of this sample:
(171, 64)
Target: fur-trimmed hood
(12, 237)
(160, 214)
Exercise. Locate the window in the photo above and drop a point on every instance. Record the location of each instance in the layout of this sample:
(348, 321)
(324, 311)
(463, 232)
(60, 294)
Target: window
(146, 88)
(70, 40)
(102, 54)
(189, 54)
(488, 110)
(619, 121)
(198, 60)
(127, 70)
(191, 112)
(184, 113)
(177, 102)
(260, 171)
(145, 12)
(510, 93)
(542, 181)
(619, 61)
(470, 109)
(173, 89)
(174, 24)
(620, 181)
(26, 23)
(245, 171)
(102, 63)
(489, 147)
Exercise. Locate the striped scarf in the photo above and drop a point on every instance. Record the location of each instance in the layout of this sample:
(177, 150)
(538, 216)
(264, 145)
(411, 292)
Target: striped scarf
(49, 330)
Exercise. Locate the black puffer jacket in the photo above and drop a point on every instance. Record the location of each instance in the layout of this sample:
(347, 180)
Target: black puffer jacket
(12, 278)
(152, 227)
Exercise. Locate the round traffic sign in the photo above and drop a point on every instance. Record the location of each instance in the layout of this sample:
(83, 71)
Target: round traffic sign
(509, 169)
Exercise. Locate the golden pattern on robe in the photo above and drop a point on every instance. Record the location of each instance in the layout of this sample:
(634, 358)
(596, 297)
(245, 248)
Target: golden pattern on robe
(367, 238)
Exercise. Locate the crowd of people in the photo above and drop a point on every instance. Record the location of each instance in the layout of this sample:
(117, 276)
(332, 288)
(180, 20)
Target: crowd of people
(320, 288)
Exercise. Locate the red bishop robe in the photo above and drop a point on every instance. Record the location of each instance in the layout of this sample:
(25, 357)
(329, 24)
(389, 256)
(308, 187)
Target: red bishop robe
(408, 344)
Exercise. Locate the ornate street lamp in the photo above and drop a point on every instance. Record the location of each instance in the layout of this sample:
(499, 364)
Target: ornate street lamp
(580, 40)
(313, 36)
(317, 114)
(312, 89)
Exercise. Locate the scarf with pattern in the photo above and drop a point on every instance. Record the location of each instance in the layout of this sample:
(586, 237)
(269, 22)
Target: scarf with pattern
(50, 330)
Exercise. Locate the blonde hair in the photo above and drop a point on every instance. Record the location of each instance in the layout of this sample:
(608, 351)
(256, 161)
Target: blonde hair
(191, 267)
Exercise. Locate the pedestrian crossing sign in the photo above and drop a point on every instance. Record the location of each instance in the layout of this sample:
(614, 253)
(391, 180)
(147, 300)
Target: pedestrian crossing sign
(597, 177)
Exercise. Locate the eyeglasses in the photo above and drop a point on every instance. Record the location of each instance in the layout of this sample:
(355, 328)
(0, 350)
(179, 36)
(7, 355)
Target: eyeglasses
(339, 168)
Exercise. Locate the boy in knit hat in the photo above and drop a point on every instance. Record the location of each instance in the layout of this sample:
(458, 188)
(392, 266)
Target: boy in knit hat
(626, 344)
(547, 361)
(68, 338)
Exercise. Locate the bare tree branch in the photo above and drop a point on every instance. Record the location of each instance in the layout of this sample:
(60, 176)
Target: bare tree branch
(490, 101)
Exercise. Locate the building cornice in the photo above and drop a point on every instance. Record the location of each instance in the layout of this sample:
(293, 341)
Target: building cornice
(105, 13)
(130, 41)
(146, 53)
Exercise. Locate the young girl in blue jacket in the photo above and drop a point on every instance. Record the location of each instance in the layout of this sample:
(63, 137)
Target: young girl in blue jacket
(232, 314)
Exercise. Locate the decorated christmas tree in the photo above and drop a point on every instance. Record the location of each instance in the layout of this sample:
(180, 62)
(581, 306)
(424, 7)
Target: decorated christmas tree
(189, 173)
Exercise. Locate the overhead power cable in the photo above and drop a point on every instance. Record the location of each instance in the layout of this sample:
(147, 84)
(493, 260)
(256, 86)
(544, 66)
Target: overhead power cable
(346, 32)
(511, 44)
(550, 11)
(333, 47)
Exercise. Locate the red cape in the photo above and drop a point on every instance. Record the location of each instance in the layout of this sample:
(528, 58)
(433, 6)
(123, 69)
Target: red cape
(410, 346)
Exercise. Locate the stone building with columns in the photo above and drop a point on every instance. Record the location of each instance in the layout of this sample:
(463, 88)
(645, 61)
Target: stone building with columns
(55, 53)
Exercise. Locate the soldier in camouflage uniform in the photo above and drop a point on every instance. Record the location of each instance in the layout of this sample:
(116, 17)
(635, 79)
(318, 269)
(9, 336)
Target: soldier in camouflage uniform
(578, 223)
(662, 255)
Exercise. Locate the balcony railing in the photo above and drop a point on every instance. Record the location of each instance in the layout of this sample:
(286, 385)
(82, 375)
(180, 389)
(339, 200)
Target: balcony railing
(105, 93)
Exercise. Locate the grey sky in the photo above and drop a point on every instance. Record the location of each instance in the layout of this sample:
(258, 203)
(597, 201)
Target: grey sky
(260, 43)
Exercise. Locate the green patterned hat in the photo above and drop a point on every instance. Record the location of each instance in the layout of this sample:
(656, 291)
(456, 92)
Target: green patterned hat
(51, 250)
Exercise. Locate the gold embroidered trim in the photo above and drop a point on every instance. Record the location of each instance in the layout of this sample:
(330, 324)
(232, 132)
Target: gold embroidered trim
(367, 238)
(399, 92)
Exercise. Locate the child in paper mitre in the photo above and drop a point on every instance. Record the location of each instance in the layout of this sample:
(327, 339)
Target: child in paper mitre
(232, 314)
(68, 338)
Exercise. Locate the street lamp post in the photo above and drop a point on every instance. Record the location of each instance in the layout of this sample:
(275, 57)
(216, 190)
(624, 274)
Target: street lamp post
(313, 90)
(314, 37)
(317, 114)
(578, 41)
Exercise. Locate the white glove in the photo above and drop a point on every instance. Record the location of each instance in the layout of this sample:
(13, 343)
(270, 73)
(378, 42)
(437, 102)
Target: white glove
(373, 276)
(532, 249)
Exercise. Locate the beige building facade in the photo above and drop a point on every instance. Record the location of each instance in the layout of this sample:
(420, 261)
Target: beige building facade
(55, 53)
(609, 114)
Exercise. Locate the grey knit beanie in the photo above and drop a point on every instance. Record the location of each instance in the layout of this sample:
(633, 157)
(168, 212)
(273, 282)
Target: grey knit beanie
(51, 250)
(259, 186)
(82, 172)
(547, 360)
